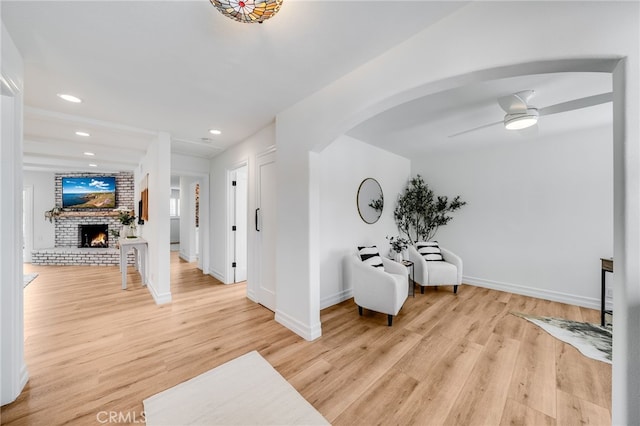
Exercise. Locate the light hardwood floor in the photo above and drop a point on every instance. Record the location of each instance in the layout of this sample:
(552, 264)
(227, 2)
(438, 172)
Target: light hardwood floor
(93, 349)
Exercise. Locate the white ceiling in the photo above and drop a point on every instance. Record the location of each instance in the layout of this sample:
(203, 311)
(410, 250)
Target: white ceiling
(181, 67)
(427, 124)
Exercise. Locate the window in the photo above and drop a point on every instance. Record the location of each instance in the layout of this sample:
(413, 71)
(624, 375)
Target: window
(174, 207)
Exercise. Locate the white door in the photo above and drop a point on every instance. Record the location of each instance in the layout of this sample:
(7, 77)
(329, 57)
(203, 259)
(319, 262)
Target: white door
(240, 224)
(265, 225)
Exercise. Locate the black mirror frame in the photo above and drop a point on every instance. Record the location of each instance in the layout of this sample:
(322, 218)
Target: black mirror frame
(380, 200)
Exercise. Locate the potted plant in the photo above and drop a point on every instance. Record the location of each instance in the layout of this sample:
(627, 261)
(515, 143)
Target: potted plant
(419, 213)
(127, 219)
(398, 245)
(54, 212)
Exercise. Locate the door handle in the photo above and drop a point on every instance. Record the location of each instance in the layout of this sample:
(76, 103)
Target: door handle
(257, 210)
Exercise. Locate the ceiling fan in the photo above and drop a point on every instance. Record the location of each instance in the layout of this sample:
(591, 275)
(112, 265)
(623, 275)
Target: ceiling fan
(520, 114)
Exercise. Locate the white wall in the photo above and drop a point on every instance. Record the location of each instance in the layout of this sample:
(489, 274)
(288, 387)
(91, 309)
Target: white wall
(174, 237)
(467, 46)
(157, 163)
(539, 215)
(186, 164)
(319, 119)
(343, 166)
(196, 169)
(187, 219)
(44, 198)
(232, 158)
(174, 232)
(13, 370)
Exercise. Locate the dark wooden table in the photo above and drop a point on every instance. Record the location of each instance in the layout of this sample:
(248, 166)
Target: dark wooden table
(606, 266)
(410, 266)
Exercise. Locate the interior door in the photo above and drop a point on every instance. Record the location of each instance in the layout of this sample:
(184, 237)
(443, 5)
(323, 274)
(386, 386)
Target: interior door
(240, 224)
(265, 226)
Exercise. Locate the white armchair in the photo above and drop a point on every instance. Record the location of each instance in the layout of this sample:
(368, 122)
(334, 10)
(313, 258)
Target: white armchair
(378, 289)
(435, 273)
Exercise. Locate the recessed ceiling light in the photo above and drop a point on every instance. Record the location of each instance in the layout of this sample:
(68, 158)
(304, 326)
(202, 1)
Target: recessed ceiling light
(85, 134)
(215, 132)
(93, 165)
(89, 154)
(69, 98)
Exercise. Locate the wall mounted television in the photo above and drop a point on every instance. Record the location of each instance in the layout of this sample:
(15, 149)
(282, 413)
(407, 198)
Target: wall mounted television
(94, 192)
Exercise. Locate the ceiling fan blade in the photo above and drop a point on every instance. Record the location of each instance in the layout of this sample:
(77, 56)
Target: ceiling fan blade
(516, 102)
(476, 128)
(577, 104)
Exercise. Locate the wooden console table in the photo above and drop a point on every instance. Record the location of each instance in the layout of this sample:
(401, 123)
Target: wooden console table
(606, 266)
(139, 245)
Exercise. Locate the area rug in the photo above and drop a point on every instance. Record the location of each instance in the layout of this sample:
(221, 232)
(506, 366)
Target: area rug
(244, 391)
(591, 340)
(28, 278)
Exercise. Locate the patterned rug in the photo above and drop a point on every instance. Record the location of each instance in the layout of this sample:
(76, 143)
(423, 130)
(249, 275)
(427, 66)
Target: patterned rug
(591, 340)
(28, 278)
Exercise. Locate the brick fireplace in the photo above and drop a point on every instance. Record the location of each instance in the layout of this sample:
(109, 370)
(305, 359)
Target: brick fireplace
(96, 236)
(68, 229)
(73, 227)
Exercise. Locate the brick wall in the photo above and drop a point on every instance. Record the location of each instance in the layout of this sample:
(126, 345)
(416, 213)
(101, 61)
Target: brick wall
(66, 228)
(80, 257)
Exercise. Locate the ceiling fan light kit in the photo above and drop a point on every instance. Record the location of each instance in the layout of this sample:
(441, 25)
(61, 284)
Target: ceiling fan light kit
(521, 115)
(519, 121)
(248, 11)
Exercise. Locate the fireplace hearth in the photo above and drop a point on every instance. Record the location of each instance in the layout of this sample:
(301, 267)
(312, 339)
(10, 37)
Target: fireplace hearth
(93, 236)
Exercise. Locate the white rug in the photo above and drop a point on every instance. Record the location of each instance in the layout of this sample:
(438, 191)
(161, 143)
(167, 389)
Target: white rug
(591, 340)
(243, 391)
(28, 278)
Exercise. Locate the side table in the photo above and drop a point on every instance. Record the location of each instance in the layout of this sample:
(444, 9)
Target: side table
(412, 282)
(139, 246)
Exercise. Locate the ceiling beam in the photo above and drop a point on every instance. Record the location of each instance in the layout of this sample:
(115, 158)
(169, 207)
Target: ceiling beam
(57, 117)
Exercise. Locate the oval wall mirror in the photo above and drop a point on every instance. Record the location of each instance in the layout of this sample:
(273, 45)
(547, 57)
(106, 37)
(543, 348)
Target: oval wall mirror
(370, 200)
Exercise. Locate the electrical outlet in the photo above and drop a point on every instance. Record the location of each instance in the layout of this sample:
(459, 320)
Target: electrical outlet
(609, 292)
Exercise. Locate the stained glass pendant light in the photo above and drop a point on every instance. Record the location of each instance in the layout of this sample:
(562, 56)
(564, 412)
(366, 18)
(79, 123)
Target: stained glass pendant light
(248, 11)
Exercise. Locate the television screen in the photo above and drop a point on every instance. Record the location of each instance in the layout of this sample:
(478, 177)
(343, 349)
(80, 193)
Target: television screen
(96, 192)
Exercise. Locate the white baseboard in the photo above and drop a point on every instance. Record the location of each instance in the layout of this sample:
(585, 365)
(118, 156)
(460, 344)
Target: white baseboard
(159, 298)
(555, 296)
(10, 392)
(307, 332)
(187, 258)
(217, 275)
(336, 298)
(251, 295)
(24, 376)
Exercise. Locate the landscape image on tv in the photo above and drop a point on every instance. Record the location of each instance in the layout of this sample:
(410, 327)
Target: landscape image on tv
(97, 192)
